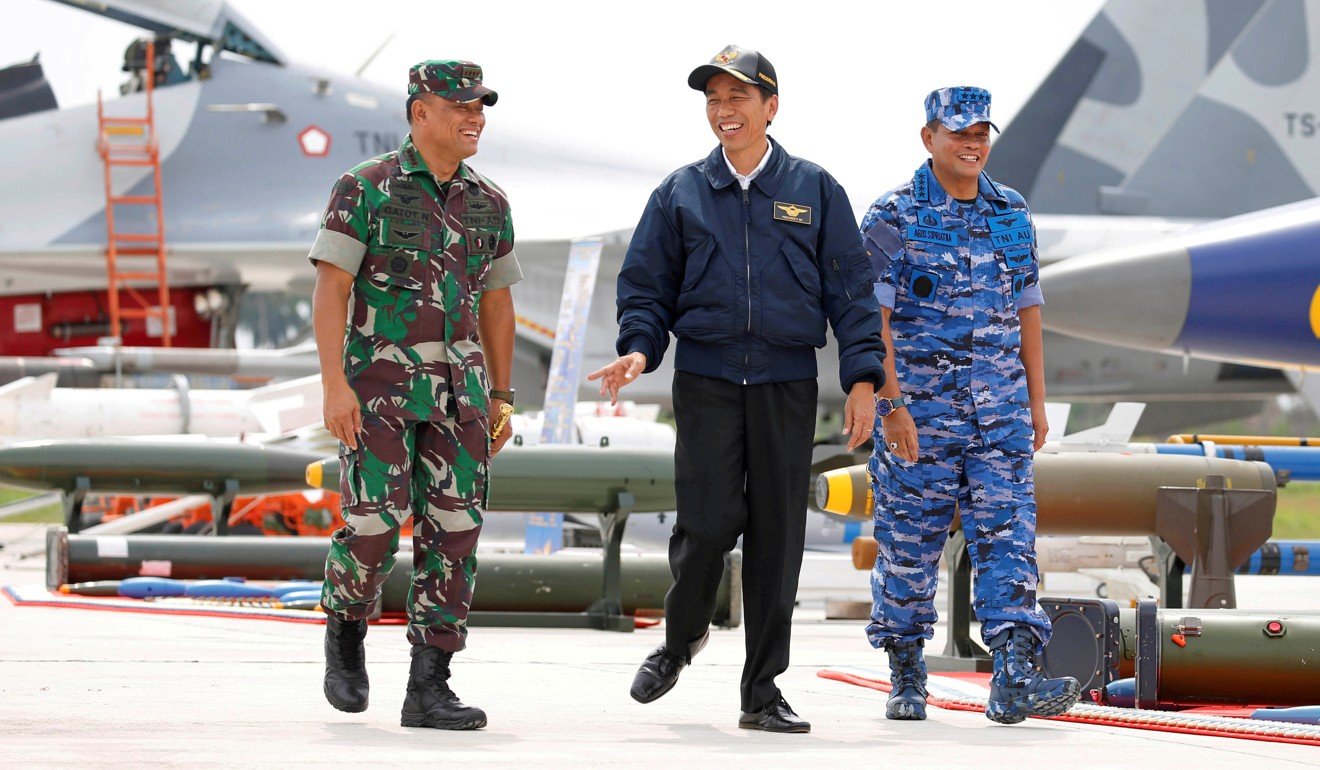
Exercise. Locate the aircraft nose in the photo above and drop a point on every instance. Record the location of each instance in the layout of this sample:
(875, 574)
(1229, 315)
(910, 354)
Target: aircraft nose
(1136, 296)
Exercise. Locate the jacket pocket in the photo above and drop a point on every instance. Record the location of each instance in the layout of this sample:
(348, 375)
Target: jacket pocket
(706, 298)
(697, 263)
(789, 296)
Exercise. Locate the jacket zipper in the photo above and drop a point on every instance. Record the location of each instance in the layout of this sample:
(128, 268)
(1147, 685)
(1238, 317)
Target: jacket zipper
(747, 258)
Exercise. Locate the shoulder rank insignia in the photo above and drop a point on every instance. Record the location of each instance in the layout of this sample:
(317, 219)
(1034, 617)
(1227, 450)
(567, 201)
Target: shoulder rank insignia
(792, 212)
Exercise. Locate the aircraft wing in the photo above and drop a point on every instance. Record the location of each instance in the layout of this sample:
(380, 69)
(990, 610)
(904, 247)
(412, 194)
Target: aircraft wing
(209, 21)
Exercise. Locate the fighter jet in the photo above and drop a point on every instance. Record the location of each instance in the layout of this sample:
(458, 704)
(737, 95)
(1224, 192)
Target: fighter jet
(238, 109)
(1243, 290)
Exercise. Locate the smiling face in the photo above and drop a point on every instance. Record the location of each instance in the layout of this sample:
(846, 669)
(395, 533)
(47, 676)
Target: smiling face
(739, 113)
(957, 156)
(450, 130)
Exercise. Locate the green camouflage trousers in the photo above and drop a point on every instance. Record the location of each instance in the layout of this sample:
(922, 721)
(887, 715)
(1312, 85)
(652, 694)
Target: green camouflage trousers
(435, 472)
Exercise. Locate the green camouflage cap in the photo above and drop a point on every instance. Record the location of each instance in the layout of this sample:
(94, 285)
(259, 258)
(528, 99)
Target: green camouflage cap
(457, 81)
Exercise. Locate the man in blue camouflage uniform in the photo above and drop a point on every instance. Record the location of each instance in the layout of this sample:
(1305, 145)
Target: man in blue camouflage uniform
(955, 253)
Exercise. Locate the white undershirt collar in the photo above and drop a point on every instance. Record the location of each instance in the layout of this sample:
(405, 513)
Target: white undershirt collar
(746, 181)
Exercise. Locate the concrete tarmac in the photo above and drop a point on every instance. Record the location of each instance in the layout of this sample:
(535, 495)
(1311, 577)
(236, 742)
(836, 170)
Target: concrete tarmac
(108, 689)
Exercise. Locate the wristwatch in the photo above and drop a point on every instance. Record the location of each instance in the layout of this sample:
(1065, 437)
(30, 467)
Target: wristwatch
(503, 395)
(887, 406)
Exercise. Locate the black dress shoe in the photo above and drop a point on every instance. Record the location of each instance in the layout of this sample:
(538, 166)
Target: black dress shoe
(776, 717)
(659, 672)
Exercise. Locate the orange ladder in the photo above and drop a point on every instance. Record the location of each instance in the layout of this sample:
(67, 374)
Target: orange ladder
(131, 142)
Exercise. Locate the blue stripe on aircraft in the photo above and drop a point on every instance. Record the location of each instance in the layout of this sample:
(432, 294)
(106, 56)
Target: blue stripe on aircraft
(1252, 297)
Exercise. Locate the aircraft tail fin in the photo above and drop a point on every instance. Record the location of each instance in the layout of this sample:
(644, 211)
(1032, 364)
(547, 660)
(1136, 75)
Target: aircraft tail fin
(1117, 430)
(287, 406)
(1107, 131)
(30, 388)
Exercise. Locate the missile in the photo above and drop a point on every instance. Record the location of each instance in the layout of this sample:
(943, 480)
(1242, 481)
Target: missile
(1198, 438)
(1244, 289)
(1079, 493)
(298, 361)
(1183, 657)
(34, 408)
(69, 371)
(1284, 557)
(562, 582)
(128, 466)
(1295, 463)
(562, 477)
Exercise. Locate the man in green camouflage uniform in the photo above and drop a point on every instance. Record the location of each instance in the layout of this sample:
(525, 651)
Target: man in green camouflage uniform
(414, 324)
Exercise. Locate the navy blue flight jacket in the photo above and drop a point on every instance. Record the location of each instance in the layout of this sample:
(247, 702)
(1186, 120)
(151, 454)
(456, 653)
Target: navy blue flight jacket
(746, 280)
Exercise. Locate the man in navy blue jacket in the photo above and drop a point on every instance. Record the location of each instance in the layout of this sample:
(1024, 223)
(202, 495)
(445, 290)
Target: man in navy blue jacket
(744, 257)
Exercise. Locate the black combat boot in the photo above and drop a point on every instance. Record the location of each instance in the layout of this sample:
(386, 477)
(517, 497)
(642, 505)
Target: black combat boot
(1018, 689)
(430, 702)
(907, 681)
(345, 663)
(659, 672)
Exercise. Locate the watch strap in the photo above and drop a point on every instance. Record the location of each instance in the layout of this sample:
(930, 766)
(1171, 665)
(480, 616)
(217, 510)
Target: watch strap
(503, 395)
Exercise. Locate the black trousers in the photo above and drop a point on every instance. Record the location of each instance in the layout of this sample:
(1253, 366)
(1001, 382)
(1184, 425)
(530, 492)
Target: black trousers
(740, 468)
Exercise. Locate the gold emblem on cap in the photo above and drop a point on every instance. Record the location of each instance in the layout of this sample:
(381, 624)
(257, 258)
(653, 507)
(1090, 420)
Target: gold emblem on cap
(726, 56)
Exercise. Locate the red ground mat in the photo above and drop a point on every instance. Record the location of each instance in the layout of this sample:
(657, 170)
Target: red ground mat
(967, 691)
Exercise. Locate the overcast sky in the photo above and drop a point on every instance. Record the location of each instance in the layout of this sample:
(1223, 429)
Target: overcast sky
(610, 76)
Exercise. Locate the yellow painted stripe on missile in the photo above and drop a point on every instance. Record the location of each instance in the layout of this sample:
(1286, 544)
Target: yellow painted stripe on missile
(124, 130)
(1230, 440)
(838, 498)
(314, 475)
(1315, 312)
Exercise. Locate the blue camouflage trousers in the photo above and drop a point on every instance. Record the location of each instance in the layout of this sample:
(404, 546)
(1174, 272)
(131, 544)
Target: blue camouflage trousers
(992, 486)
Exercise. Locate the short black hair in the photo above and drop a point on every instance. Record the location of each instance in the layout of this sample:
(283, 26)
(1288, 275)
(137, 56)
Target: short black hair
(934, 126)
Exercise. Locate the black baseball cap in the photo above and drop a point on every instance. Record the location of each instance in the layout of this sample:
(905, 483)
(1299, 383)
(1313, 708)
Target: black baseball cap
(743, 63)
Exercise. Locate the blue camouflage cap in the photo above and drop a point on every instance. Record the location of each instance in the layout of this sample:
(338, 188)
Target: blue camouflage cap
(958, 107)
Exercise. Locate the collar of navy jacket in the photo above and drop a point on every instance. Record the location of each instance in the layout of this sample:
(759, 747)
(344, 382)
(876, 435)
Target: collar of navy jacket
(768, 181)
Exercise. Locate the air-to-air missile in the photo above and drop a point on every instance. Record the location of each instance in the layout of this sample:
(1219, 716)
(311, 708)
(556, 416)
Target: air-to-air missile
(1291, 462)
(1186, 657)
(127, 466)
(69, 372)
(35, 408)
(296, 361)
(1231, 440)
(562, 477)
(564, 583)
(1284, 557)
(1242, 289)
